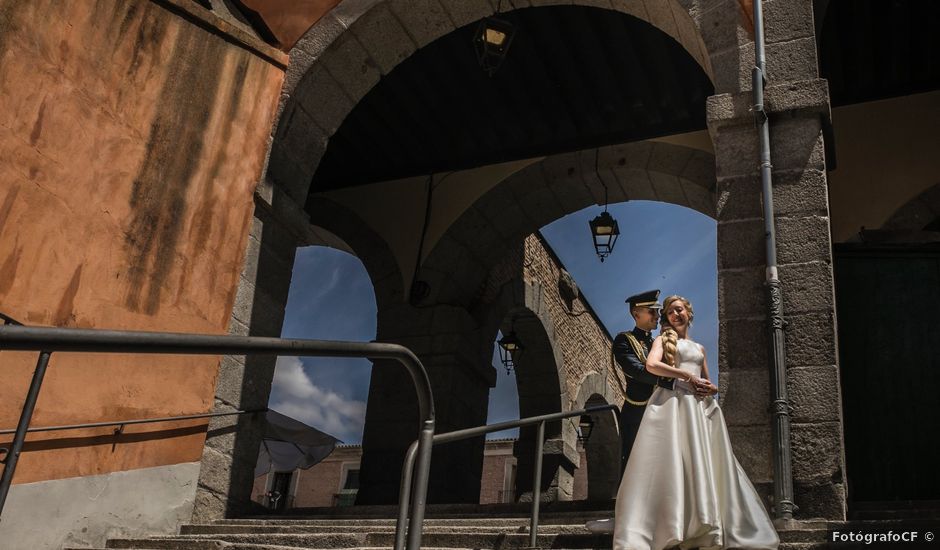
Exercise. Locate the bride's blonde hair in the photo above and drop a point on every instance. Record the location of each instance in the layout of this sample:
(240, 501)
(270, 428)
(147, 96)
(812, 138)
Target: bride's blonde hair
(669, 334)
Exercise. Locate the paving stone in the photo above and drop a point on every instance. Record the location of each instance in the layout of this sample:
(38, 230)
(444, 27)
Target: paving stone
(786, 20)
(465, 12)
(350, 65)
(817, 451)
(384, 38)
(807, 287)
(814, 393)
(745, 396)
(742, 244)
(424, 20)
(323, 99)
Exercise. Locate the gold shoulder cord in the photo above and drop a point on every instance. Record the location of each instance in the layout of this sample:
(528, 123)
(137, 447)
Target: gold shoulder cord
(641, 354)
(637, 346)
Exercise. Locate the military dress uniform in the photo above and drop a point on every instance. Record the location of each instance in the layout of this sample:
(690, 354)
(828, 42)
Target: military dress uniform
(630, 349)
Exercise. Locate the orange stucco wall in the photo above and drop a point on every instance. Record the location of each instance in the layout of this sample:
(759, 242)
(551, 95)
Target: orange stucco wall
(131, 140)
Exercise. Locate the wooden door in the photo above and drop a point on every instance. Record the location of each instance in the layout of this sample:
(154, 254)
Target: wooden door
(888, 311)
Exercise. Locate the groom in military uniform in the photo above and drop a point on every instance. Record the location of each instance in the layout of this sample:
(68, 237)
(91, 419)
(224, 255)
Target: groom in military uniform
(630, 350)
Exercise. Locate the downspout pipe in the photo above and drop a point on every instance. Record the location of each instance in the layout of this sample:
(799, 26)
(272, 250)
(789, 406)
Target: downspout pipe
(783, 472)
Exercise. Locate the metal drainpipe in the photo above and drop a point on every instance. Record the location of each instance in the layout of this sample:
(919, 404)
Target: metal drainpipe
(783, 474)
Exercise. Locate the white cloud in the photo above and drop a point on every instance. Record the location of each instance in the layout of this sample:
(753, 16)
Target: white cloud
(295, 395)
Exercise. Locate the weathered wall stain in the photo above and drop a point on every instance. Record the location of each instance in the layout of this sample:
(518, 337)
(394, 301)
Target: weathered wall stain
(9, 267)
(8, 206)
(63, 314)
(158, 199)
(208, 214)
(147, 117)
(37, 126)
(8, 25)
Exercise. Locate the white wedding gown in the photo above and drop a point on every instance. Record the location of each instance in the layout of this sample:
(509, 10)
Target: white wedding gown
(682, 485)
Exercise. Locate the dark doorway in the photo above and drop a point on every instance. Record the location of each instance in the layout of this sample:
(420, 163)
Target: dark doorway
(888, 300)
(280, 491)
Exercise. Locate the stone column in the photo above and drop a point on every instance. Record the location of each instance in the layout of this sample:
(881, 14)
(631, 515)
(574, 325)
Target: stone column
(446, 340)
(559, 461)
(797, 110)
(244, 383)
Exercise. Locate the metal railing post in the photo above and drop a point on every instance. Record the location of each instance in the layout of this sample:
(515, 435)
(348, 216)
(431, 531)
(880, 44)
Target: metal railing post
(415, 528)
(416, 524)
(13, 453)
(536, 485)
(404, 496)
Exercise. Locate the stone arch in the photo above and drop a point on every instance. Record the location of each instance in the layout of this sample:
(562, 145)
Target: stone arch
(602, 450)
(365, 244)
(918, 214)
(540, 377)
(541, 382)
(346, 53)
(559, 185)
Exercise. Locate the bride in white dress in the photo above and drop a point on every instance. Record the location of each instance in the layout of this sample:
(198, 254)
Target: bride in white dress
(682, 486)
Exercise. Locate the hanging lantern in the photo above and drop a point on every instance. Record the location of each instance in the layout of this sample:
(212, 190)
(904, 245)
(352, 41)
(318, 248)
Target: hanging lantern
(604, 231)
(585, 427)
(492, 40)
(510, 348)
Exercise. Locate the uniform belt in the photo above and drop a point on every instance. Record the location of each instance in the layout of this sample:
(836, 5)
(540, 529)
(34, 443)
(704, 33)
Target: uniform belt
(668, 383)
(637, 403)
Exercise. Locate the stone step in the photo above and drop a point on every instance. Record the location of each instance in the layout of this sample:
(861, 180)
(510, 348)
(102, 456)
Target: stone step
(480, 533)
(212, 529)
(346, 540)
(788, 535)
(543, 520)
(796, 531)
(513, 509)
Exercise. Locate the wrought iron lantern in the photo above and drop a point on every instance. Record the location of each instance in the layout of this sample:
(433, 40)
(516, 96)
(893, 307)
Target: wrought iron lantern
(604, 230)
(510, 347)
(585, 427)
(492, 40)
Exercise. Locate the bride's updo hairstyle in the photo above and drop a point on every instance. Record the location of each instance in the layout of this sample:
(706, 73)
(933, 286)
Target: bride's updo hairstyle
(670, 337)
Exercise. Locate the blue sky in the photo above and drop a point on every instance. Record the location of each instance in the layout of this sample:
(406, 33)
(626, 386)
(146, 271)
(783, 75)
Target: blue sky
(661, 246)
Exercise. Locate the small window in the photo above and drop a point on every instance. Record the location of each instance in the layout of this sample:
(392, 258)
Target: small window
(352, 479)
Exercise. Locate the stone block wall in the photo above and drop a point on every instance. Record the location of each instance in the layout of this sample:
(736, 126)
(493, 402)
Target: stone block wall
(801, 217)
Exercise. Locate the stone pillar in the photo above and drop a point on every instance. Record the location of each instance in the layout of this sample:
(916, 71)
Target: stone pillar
(446, 340)
(244, 383)
(797, 111)
(559, 461)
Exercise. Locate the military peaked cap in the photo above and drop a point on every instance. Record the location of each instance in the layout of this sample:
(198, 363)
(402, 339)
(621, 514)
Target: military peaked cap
(649, 299)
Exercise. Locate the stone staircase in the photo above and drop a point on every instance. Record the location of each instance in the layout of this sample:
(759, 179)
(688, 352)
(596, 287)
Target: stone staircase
(495, 527)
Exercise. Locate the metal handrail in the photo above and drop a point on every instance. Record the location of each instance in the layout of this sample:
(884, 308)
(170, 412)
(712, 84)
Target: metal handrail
(406, 476)
(7, 320)
(129, 422)
(49, 340)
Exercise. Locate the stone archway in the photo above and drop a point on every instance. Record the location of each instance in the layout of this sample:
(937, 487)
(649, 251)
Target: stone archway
(312, 110)
(602, 450)
(540, 380)
(452, 328)
(559, 185)
(349, 50)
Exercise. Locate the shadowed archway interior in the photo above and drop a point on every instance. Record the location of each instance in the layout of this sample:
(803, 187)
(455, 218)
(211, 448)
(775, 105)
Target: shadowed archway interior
(575, 77)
